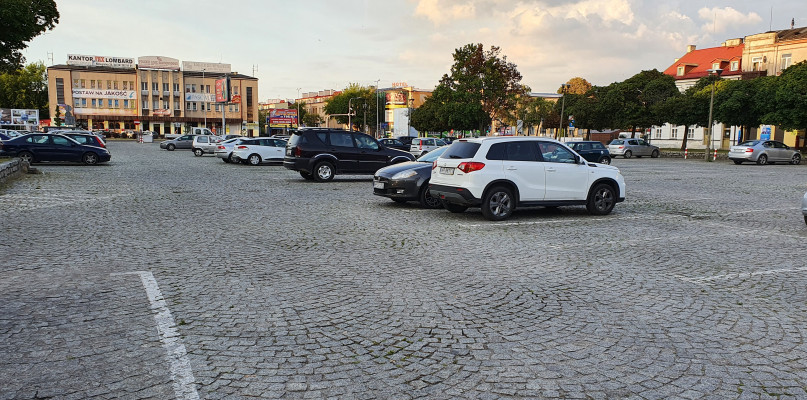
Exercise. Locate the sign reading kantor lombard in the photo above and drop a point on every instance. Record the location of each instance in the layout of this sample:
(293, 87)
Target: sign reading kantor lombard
(100, 61)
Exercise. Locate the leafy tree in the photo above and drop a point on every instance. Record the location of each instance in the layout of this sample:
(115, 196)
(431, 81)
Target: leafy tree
(25, 88)
(577, 85)
(736, 104)
(57, 119)
(790, 98)
(21, 21)
(363, 106)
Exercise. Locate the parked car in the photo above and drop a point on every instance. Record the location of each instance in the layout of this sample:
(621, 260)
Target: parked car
(764, 152)
(224, 149)
(86, 138)
(421, 146)
(449, 139)
(204, 144)
(407, 140)
(228, 137)
(182, 142)
(592, 151)
(408, 181)
(502, 173)
(40, 147)
(320, 153)
(258, 150)
(804, 207)
(393, 144)
(632, 147)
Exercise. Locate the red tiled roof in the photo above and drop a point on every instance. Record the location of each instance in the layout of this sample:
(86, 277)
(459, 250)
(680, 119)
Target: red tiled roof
(699, 61)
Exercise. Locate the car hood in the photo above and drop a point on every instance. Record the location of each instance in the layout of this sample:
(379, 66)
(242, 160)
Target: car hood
(394, 169)
(605, 166)
(395, 152)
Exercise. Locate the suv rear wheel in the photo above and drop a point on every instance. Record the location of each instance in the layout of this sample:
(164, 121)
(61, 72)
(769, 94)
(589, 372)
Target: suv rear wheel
(323, 171)
(498, 204)
(601, 200)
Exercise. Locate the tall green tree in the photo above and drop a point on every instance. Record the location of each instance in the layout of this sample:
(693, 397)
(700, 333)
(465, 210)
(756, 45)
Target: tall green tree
(362, 102)
(21, 21)
(790, 97)
(635, 102)
(25, 88)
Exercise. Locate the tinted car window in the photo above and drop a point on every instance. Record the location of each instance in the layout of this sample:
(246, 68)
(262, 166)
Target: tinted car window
(461, 150)
(520, 151)
(341, 139)
(581, 146)
(322, 136)
(366, 142)
(61, 141)
(553, 152)
(294, 139)
(749, 143)
(496, 152)
(597, 146)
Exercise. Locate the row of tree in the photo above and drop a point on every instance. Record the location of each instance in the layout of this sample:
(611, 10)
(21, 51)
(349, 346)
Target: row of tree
(483, 88)
(25, 88)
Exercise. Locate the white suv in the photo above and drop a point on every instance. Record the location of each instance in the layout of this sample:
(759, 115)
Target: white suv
(499, 174)
(421, 146)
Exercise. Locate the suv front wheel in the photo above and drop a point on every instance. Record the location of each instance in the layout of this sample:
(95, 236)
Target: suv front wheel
(601, 200)
(323, 171)
(498, 204)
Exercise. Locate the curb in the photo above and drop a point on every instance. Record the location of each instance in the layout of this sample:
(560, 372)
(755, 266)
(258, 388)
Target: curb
(12, 169)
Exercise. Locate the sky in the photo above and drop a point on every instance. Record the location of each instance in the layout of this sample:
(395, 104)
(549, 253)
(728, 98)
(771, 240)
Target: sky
(328, 44)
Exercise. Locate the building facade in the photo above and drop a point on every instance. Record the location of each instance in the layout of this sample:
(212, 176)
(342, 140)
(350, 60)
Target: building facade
(155, 94)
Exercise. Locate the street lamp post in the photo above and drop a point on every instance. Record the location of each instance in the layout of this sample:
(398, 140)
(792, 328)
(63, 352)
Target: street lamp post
(711, 124)
(202, 89)
(298, 107)
(564, 87)
(377, 131)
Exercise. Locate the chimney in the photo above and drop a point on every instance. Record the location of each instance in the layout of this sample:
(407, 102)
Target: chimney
(792, 23)
(690, 48)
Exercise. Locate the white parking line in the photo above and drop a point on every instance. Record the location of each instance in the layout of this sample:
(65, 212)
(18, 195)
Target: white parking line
(547, 221)
(181, 372)
(739, 275)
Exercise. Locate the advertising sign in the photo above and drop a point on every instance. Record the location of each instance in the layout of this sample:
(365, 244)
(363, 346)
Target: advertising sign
(223, 90)
(765, 132)
(101, 111)
(236, 99)
(157, 62)
(5, 115)
(200, 97)
(100, 61)
(214, 68)
(396, 99)
(282, 117)
(162, 112)
(104, 94)
(16, 116)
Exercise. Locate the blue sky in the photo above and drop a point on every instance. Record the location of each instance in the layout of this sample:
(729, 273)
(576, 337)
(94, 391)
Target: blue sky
(328, 44)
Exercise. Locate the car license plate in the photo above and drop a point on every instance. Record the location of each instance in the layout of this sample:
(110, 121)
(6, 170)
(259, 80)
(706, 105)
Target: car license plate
(447, 171)
(378, 185)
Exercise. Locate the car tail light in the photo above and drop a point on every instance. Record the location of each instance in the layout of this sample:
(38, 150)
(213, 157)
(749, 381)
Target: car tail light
(468, 167)
(242, 147)
(220, 147)
(434, 164)
(298, 152)
(749, 150)
(621, 147)
(100, 143)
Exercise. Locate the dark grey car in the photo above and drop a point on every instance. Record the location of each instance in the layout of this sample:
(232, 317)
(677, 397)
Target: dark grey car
(629, 147)
(408, 181)
(182, 142)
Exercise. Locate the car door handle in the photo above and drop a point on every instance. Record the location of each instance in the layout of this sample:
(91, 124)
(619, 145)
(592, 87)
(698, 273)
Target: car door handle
(551, 170)
(511, 168)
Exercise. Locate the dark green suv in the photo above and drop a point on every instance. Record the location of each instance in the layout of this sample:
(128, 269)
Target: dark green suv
(592, 151)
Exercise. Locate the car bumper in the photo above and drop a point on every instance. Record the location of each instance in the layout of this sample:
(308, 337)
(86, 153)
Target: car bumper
(804, 205)
(743, 156)
(163, 146)
(296, 164)
(396, 189)
(104, 157)
(222, 154)
(456, 195)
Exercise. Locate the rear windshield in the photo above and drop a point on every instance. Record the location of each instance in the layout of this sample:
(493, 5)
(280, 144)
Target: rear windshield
(749, 143)
(295, 139)
(460, 149)
(617, 141)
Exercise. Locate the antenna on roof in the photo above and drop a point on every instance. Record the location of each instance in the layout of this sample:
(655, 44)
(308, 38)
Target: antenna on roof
(792, 23)
(770, 27)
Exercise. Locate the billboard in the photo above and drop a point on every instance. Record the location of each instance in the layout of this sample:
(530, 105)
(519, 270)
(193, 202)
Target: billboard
(223, 90)
(396, 99)
(214, 68)
(104, 94)
(18, 116)
(282, 117)
(157, 62)
(200, 97)
(100, 61)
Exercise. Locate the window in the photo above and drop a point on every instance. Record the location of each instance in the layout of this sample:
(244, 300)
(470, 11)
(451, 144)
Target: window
(658, 133)
(84, 102)
(366, 142)
(674, 133)
(716, 65)
(235, 90)
(786, 61)
(176, 105)
(60, 90)
(156, 104)
(62, 141)
(92, 83)
(109, 103)
(117, 103)
(125, 103)
(165, 104)
(552, 152)
(187, 88)
(218, 108)
(207, 88)
(680, 71)
(194, 106)
(100, 103)
(93, 103)
(203, 106)
(193, 88)
(341, 139)
(155, 86)
(188, 106)
(108, 84)
(125, 86)
(115, 85)
(76, 82)
(176, 87)
(144, 86)
(691, 132)
(757, 63)
(165, 87)
(520, 151)
(735, 65)
(131, 85)
(83, 83)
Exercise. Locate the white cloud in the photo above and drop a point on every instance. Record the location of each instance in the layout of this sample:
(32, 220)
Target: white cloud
(723, 19)
(440, 12)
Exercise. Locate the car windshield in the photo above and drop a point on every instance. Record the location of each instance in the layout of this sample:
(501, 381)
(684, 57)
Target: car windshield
(431, 156)
(461, 149)
(749, 143)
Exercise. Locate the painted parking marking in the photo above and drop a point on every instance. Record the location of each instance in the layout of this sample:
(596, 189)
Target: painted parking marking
(181, 373)
(738, 275)
(547, 221)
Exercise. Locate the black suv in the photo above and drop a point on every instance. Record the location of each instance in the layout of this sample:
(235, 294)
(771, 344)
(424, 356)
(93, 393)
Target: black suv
(592, 151)
(320, 153)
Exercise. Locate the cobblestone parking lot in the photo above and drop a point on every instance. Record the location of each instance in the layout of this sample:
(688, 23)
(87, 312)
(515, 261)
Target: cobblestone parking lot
(163, 275)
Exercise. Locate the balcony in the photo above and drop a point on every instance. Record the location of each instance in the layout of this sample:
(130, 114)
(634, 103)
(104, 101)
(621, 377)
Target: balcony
(177, 93)
(166, 93)
(144, 91)
(155, 92)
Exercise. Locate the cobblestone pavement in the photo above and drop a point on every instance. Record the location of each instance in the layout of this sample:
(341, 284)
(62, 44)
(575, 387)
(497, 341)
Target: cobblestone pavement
(269, 286)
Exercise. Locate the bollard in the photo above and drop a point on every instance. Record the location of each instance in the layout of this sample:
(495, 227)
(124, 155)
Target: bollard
(685, 153)
(714, 157)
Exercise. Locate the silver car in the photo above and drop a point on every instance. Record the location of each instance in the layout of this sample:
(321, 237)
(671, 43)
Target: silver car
(764, 152)
(182, 142)
(224, 150)
(421, 146)
(629, 147)
(804, 207)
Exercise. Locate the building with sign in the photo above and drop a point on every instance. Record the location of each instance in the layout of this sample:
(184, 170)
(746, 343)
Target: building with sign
(153, 93)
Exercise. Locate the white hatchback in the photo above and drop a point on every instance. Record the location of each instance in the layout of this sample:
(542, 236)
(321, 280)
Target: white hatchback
(499, 174)
(421, 146)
